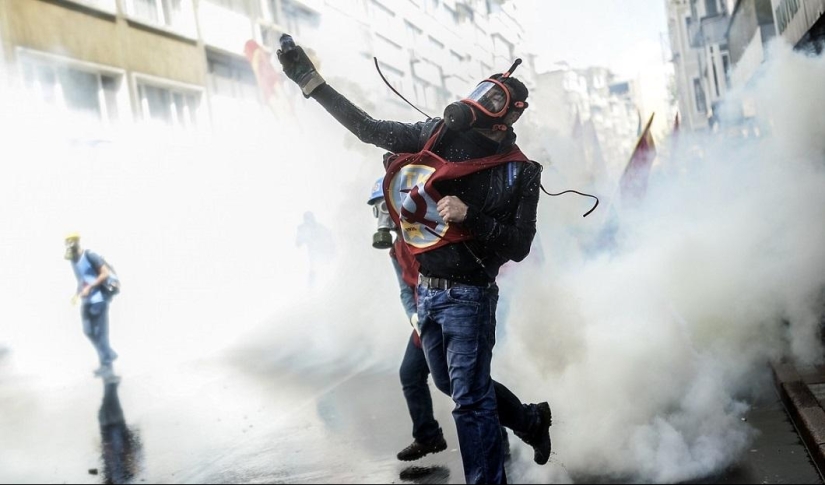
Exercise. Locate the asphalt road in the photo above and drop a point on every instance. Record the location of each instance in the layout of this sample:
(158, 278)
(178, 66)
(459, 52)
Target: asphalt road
(210, 422)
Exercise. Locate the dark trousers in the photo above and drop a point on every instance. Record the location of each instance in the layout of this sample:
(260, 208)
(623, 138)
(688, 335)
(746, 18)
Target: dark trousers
(458, 328)
(414, 374)
(96, 327)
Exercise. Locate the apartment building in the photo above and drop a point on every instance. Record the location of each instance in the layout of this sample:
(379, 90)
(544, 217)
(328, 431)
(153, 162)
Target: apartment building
(591, 97)
(752, 27)
(801, 22)
(701, 58)
(180, 63)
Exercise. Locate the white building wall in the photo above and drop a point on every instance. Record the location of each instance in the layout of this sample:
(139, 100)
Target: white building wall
(700, 57)
(583, 96)
(687, 67)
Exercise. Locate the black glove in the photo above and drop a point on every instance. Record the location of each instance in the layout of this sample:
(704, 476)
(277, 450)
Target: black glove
(297, 66)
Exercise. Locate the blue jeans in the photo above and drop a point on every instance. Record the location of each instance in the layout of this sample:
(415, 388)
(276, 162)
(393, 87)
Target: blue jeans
(458, 332)
(414, 374)
(96, 327)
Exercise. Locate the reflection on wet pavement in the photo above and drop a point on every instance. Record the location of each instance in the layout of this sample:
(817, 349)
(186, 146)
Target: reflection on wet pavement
(120, 445)
(211, 423)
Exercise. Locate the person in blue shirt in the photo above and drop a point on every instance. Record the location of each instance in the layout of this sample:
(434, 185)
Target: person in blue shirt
(92, 272)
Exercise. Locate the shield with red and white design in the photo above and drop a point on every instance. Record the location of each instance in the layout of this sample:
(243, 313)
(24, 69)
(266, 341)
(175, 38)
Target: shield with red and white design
(412, 199)
(415, 208)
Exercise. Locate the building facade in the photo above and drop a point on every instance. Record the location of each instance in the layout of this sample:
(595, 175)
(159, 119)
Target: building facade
(591, 100)
(801, 22)
(180, 63)
(701, 58)
(752, 27)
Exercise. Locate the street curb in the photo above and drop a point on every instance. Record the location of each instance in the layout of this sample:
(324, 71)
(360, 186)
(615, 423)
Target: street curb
(804, 409)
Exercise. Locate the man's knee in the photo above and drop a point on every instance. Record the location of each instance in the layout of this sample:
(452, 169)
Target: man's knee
(442, 385)
(469, 399)
(411, 376)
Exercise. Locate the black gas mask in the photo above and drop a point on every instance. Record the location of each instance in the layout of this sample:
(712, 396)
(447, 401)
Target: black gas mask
(486, 107)
(72, 248)
(382, 239)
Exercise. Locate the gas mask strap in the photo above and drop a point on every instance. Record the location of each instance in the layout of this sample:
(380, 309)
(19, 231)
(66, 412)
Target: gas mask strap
(395, 91)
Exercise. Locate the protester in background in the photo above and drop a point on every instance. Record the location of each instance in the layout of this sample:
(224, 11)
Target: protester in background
(427, 434)
(319, 243)
(92, 275)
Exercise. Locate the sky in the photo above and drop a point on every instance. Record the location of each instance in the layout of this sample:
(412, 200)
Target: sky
(629, 37)
(622, 35)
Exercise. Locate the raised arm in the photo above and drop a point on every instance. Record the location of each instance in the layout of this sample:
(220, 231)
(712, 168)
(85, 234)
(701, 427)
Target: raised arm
(390, 135)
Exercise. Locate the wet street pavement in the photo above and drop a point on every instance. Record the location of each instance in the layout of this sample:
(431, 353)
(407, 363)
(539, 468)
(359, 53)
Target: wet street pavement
(211, 422)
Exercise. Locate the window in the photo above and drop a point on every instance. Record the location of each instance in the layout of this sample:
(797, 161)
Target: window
(726, 67)
(176, 14)
(447, 15)
(298, 20)
(413, 34)
(393, 75)
(231, 78)
(711, 8)
(435, 46)
(170, 106)
(456, 58)
(272, 8)
(493, 7)
(238, 6)
(465, 12)
(381, 14)
(699, 95)
(785, 12)
(80, 90)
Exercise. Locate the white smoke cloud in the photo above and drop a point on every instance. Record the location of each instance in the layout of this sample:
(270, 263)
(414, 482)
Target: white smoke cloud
(649, 354)
(201, 229)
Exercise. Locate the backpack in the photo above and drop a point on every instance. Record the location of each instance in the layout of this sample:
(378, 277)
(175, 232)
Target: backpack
(111, 286)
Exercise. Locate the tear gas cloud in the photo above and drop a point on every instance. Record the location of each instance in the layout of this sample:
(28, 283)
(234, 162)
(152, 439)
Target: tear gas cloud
(203, 232)
(648, 354)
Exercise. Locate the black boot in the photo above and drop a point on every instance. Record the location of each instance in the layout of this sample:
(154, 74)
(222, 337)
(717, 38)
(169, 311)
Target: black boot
(539, 437)
(419, 450)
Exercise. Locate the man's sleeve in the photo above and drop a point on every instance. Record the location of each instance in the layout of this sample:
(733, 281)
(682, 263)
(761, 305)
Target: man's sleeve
(394, 136)
(96, 261)
(512, 240)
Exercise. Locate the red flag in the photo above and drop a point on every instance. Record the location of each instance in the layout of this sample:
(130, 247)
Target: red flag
(270, 81)
(674, 135)
(634, 179)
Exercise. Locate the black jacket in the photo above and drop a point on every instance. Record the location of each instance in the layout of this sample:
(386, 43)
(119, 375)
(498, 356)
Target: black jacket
(502, 200)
